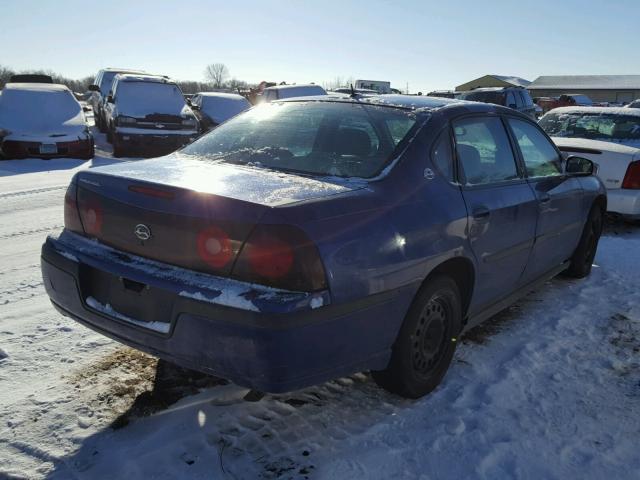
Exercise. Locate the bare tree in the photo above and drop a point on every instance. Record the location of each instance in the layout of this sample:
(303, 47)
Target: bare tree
(216, 73)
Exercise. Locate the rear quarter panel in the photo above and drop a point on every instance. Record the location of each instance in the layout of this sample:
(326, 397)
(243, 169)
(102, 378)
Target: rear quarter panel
(388, 235)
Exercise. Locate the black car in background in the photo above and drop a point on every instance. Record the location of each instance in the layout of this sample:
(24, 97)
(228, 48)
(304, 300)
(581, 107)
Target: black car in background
(515, 98)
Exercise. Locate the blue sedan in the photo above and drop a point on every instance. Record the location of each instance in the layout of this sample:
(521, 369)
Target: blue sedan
(316, 237)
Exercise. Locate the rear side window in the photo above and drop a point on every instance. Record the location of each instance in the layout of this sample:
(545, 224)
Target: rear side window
(540, 158)
(519, 100)
(511, 100)
(442, 157)
(484, 151)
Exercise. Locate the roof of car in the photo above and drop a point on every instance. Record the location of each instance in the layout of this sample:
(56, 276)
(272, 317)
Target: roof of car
(492, 89)
(233, 96)
(287, 87)
(412, 102)
(122, 70)
(598, 110)
(131, 77)
(37, 87)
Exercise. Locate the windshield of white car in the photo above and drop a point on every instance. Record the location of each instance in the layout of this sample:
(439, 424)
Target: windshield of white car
(314, 138)
(594, 126)
(42, 111)
(139, 99)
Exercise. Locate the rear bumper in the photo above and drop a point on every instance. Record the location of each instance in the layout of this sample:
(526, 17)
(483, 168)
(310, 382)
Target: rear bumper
(625, 202)
(279, 343)
(74, 149)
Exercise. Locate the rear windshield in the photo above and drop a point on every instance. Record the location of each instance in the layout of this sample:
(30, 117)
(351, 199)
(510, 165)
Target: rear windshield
(595, 126)
(496, 98)
(316, 138)
(139, 99)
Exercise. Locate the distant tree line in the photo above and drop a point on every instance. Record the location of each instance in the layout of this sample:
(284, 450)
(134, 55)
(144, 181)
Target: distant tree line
(216, 77)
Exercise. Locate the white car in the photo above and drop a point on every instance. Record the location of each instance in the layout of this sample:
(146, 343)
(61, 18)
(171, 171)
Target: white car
(42, 120)
(289, 91)
(610, 137)
(213, 108)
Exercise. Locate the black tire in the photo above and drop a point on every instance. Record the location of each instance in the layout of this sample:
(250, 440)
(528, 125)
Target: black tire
(118, 148)
(585, 252)
(426, 342)
(99, 123)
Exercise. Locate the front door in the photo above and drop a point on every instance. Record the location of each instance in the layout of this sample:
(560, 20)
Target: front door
(560, 220)
(502, 207)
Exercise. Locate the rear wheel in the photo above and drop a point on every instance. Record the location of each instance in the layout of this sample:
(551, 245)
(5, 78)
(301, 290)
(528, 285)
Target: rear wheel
(118, 148)
(425, 345)
(584, 254)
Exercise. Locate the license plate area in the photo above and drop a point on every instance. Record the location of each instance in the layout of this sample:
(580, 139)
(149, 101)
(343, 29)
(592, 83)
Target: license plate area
(126, 296)
(48, 149)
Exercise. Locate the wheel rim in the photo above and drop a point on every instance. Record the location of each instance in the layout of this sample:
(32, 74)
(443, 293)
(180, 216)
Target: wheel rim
(429, 338)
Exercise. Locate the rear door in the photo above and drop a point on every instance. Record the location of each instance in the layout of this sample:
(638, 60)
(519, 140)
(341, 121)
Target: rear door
(502, 207)
(561, 216)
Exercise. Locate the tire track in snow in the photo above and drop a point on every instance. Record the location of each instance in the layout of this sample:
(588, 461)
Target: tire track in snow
(30, 232)
(21, 193)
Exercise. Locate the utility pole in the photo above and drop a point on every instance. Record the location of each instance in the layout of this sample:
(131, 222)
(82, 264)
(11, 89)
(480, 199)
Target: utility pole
(407, 91)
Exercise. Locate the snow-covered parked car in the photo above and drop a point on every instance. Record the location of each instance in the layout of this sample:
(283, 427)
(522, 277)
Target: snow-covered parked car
(43, 120)
(280, 92)
(148, 114)
(213, 108)
(610, 137)
(634, 104)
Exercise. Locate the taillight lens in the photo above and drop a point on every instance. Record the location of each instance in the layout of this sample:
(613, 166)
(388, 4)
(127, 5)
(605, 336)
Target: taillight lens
(214, 247)
(280, 256)
(71, 214)
(632, 177)
(91, 215)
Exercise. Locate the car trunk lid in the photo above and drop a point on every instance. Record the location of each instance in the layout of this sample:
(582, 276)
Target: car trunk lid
(195, 214)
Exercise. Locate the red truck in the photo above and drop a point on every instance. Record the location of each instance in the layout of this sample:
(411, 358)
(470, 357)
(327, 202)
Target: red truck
(564, 100)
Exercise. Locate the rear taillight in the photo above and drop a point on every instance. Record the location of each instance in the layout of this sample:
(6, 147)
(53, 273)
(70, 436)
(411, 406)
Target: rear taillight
(280, 256)
(632, 177)
(91, 215)
(71, 214)
(214, 247)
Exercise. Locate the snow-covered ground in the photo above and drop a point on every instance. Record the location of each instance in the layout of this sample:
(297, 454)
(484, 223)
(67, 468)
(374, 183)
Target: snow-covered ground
(548, 389)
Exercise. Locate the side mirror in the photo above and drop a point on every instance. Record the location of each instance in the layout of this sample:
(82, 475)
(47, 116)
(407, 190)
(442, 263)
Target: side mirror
(579, 166)
(94, 88)
(110, 99)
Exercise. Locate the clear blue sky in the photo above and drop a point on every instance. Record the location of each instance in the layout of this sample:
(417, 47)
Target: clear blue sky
(429, 44)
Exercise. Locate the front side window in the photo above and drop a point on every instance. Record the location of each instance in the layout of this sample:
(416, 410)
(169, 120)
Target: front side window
(595, 126)
(540, 158)
(483, 150)
(316, 138)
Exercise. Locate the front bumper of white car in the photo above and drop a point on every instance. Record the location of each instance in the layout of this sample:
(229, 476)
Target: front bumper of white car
(624, 201)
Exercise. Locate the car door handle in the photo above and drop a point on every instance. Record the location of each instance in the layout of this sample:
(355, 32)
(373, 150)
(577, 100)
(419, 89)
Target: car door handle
(545, 199)
(481, 213)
